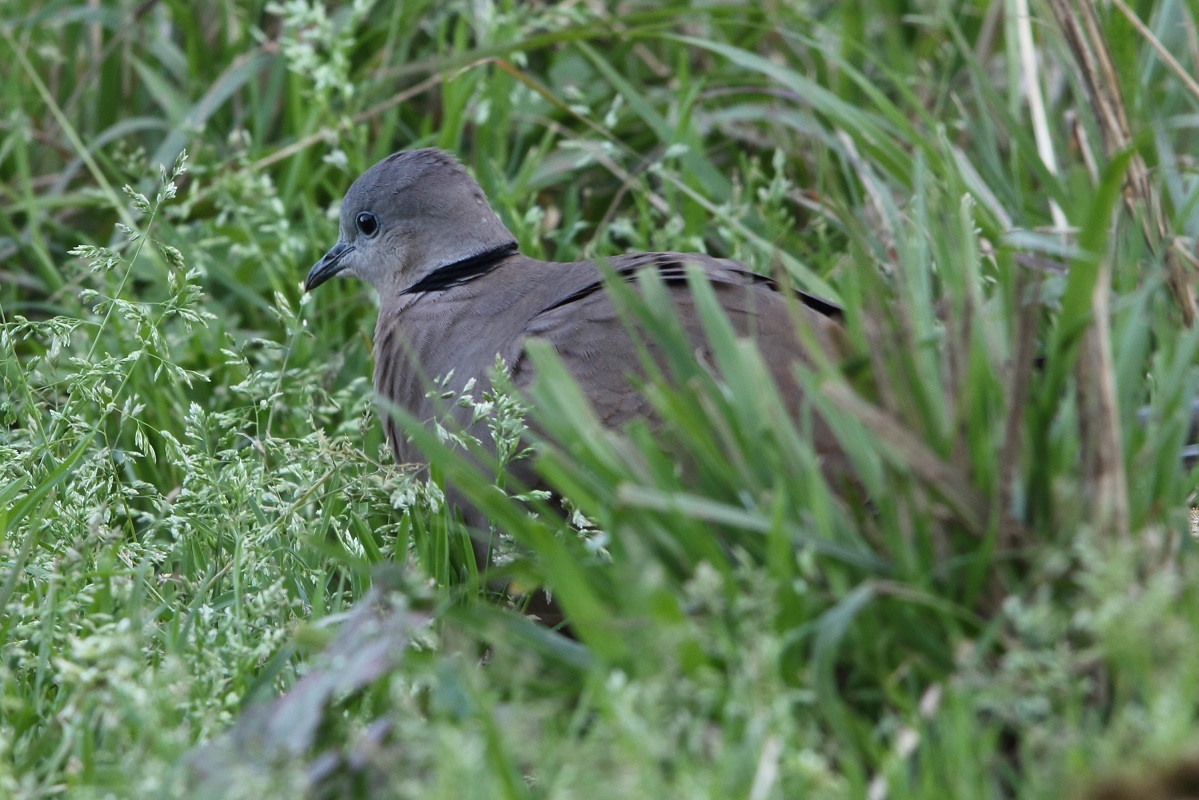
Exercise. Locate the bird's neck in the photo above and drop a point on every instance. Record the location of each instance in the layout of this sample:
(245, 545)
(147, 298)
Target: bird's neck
(462, 270)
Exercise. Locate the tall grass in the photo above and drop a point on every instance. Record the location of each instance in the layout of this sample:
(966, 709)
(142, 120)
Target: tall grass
(204, 533)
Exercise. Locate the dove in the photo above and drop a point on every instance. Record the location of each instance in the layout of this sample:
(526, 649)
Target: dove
(455, 292)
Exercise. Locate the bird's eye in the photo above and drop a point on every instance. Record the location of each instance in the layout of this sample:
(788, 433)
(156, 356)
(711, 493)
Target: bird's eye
(368, 223)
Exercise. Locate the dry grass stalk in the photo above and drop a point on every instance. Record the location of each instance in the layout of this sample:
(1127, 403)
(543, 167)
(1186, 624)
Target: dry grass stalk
(1099, 421)
(1083, 34)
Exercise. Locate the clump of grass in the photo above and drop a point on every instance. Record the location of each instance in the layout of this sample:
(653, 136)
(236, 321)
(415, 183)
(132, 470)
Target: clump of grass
(161, 545)
(196, 491)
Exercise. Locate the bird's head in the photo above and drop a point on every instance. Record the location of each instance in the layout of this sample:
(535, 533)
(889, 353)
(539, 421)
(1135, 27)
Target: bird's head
(408, 215)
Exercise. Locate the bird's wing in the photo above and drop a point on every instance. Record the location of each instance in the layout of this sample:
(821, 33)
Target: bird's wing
(672, 269)
(596, 347)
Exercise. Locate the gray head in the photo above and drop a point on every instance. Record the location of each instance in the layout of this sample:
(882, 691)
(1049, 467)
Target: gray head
(406, 216)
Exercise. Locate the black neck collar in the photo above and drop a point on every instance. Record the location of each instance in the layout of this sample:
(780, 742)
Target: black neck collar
(463, 271)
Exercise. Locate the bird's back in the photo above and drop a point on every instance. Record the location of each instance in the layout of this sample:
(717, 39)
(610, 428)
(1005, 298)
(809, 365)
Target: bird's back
(420, 339)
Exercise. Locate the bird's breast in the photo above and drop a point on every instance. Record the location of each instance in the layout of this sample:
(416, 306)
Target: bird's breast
(428, 351)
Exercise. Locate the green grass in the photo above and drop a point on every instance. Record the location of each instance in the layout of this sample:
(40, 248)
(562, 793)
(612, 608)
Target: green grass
(199, 514)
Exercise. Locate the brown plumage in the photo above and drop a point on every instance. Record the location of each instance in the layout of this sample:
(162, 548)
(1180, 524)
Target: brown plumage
(454, 292)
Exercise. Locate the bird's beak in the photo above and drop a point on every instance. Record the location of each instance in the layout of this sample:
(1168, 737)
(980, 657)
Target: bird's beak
(330, 264)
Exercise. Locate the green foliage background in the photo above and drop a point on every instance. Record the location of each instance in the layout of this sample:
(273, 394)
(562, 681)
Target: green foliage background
(195, 492)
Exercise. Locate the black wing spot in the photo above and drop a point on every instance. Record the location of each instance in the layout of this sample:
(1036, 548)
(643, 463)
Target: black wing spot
(673, 270)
